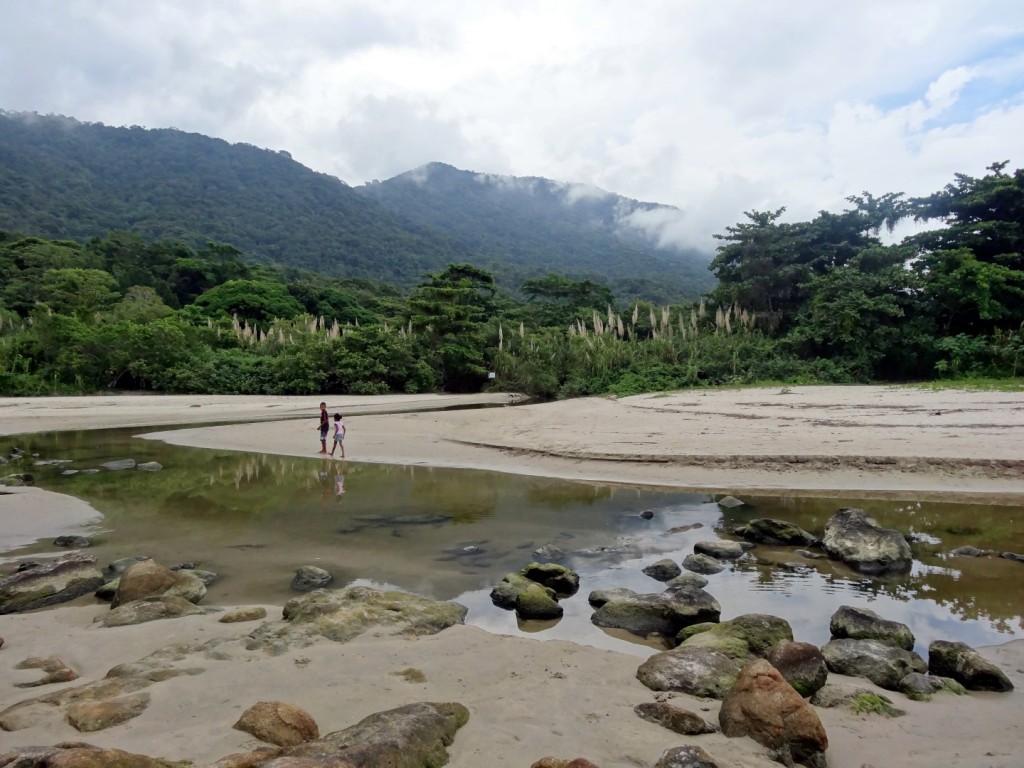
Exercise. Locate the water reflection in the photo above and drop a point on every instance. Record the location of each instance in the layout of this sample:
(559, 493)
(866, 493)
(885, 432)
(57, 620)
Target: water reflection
(254, 518)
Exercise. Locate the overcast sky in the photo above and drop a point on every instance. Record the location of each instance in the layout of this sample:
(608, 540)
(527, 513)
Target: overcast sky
(715, 106)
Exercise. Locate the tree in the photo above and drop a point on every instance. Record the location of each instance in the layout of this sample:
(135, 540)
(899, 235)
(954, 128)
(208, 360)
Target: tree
(449, 310)
(78, 292)
(258, 301)
(558, 300)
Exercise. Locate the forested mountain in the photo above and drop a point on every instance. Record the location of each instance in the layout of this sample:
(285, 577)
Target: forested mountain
(65, 179)
(523, 227)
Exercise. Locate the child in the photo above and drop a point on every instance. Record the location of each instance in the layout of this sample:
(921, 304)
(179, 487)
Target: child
(339, 435)
(325, 425)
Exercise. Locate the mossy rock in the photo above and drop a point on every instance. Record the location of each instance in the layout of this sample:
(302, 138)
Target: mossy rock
(874, 704)
(537, 602)
(744, 637)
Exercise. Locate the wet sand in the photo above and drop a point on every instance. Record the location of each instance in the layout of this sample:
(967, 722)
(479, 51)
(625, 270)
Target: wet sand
(531, 698)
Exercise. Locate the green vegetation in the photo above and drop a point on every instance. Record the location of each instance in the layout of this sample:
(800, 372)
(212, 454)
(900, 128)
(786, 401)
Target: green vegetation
(819, 301)
(67, 180)
(874, 704)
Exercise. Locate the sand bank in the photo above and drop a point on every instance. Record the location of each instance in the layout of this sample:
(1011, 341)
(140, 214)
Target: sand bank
(530, 698)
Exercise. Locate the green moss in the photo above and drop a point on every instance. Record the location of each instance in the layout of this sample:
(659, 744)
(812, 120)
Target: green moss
(949, 685)
(873, 704)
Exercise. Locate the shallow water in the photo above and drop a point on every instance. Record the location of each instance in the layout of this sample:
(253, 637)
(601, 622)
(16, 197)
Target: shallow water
(452, 534)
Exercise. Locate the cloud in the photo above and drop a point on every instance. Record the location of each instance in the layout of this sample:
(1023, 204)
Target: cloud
(713, 106)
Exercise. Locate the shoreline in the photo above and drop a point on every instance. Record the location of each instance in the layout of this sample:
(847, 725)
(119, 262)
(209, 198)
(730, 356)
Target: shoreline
(531, 697)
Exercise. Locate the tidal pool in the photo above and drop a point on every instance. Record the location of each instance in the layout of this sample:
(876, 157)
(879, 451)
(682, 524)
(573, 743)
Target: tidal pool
(453, 534)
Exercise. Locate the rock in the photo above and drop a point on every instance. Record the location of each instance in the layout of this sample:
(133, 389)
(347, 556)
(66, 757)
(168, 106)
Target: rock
(687, 579)
(412, 736)
(694, 670)
(1013, 556)
(56, 671)
(720, 549)
(244, 613)
(108, 590)
(663, 570)
(599, 597)
(920, 537)
(343, 614)
(864, 624)
(65, 579)
(646, 514)
(807, 554)
(549, 552)
(767, 530)
(857, 540)
(918, 686)
(118, 567)
(690, 756)
(117, 466)
(677, 719)
(965, 665)
(206, 577)
(731, 502)
(150, 579)
(77, 755)
(1, 642)
(861, 701)
(309, 577)
(278, 722)
(149, 466)
(537, 602)
(87, 716)
(663, 614)
(555, 762)
(744, 637)
(884, 665)
(801, 664)
(969, 551)
(702, 564)
(76, 542)
(564, 581)
(18, 480)
(149, 609)
(763, 706)
(506, 592)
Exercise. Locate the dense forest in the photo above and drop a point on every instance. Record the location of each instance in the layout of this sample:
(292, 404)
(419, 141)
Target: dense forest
(68, 180)
(824, 300)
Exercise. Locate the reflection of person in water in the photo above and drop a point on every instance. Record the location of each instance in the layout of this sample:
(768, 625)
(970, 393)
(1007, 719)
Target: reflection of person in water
(324, 478)
(339, 483)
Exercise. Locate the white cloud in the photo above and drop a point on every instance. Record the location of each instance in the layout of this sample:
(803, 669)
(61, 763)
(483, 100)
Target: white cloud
(714, 106)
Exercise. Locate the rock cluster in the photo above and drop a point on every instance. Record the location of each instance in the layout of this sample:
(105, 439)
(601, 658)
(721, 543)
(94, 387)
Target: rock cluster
(533, 592)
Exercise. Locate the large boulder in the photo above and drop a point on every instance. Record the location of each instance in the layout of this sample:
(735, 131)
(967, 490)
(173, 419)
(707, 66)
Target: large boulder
(694, 670)
(763, 706)
(864, 624)
(662, 614)
(857, 540)
(884, 665)
(150, 579)
(65, 579)
(564, 581)
(278, 722)
(411, 736)
(802, 664)
(965, 665)
(767, 530)
(744, 637)
(343, 614)
(537, 603)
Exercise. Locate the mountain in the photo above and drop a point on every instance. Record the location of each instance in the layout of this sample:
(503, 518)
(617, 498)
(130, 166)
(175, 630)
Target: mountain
(522, 227)
(61, 178)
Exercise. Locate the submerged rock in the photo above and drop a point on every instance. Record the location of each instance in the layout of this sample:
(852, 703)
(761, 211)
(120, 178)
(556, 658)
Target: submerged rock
(730, 502)
(767, 530)
(663, 570)
(662, 614)
(120, 464)
(857, 540)
(720, 549)
(534, 591)
(309, 577)
(74, 542)
(703, 564)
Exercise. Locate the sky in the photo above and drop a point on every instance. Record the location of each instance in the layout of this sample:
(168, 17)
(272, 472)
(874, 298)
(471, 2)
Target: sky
(714, 106)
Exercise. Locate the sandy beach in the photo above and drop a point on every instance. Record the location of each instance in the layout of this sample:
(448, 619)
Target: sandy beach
(530, 698)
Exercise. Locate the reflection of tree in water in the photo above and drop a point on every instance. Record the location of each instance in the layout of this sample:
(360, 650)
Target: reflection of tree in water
(559, 494)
